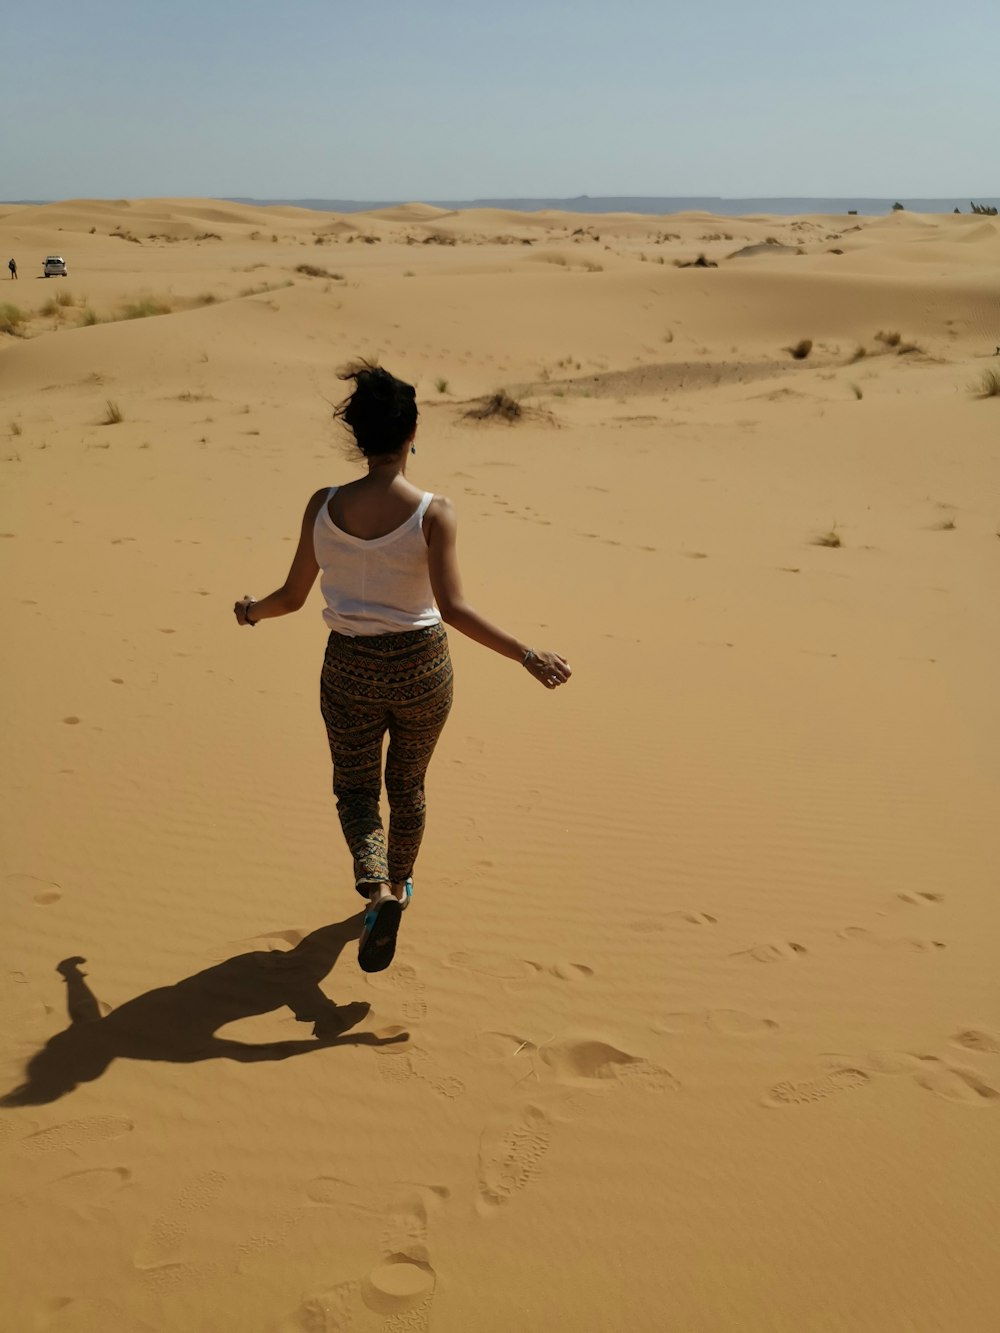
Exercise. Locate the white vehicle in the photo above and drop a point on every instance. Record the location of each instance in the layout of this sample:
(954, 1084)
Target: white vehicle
(54, 267)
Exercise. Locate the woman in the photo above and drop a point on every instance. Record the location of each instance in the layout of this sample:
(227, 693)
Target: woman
(390, 577)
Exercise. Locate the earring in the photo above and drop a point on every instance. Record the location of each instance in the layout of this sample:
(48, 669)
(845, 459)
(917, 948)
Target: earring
(413, 448)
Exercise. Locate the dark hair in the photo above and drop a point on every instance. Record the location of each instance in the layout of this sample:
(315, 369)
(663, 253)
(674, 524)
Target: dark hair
(382, 410)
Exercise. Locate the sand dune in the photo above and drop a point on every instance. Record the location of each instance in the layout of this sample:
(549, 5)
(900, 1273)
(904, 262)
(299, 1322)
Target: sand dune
(694, 1022)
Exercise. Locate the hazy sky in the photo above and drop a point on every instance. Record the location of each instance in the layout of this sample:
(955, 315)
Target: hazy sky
(410, 99)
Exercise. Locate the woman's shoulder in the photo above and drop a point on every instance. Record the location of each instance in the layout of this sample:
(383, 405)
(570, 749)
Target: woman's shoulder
(317, 499)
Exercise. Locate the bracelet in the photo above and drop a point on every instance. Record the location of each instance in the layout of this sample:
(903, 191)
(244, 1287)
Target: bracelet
(246, 613)
(529, 656)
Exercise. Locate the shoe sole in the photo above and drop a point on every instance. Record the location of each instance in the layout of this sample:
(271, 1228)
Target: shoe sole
(379, 946)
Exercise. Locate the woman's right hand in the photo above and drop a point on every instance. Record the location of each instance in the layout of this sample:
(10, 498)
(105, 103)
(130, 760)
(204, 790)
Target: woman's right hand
(549, 669)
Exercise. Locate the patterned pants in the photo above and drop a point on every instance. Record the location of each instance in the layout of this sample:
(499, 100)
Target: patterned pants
(400, 684)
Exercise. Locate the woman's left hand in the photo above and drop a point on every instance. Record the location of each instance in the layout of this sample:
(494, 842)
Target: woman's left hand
(240, 611)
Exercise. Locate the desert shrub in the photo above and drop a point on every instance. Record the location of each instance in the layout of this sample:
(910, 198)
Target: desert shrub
(858, 354)
(144, 308)
(51, 307)
(856, 389)
(496, 405)
(113, 414)
(801, 349)
(891, 339)
(206, 298)
(831, 538)
(208, 236)
(88, 316)
(313, 271)
(15, 428)
(441, 385)
(989, 384)
(11, 318)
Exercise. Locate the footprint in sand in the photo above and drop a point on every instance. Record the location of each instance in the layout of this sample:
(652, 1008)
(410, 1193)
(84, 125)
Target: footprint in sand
(517, 969)
(976, 1039)
(277, 941)
(166, 1242)
(955, 1084)
(859, 935)
(510, 1157)
(592, 1063)
(727, 1022)
(95, 1187)
(816, 1089)
(493, 965)
(403, 982)
(407, 1222)
(399, 1064)
(72, 1135)
(45, 892)
(772, 953)
(395, 1297)
(951, 1082)
(919, 899)
(397, 1294)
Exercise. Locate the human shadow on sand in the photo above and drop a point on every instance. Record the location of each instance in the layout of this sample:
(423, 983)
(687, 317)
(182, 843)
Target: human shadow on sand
(178, 1023)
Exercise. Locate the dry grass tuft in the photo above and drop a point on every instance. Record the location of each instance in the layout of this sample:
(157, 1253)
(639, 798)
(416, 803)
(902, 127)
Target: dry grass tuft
(315, 271)
(496, 406)
(857, 391)
(946, 525)
(891, 339)
(113, 415)
(15, 428)
(801, 349)
(989, 384)
(144, 308)
(11, 319)
(441, 385)
(88, 316)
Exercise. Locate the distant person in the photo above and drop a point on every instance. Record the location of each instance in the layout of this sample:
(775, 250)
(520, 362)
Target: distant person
(13, 269)
(387, 554)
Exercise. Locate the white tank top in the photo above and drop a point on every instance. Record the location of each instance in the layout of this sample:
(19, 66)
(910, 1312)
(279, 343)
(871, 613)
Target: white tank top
(381, 586)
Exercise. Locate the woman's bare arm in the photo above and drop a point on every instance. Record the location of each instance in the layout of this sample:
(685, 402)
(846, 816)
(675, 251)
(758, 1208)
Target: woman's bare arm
(293, 592)
(446, 582)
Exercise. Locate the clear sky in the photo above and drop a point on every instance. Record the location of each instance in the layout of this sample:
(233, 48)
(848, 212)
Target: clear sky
(417, 99)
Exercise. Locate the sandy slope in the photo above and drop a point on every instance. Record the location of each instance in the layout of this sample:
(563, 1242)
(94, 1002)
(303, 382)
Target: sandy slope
(694, 1024)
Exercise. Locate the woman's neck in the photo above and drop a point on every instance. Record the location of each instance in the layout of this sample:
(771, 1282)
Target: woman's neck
(387, 469)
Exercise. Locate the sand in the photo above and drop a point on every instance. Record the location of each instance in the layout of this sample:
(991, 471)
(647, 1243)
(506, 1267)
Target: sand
(694, 1023)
